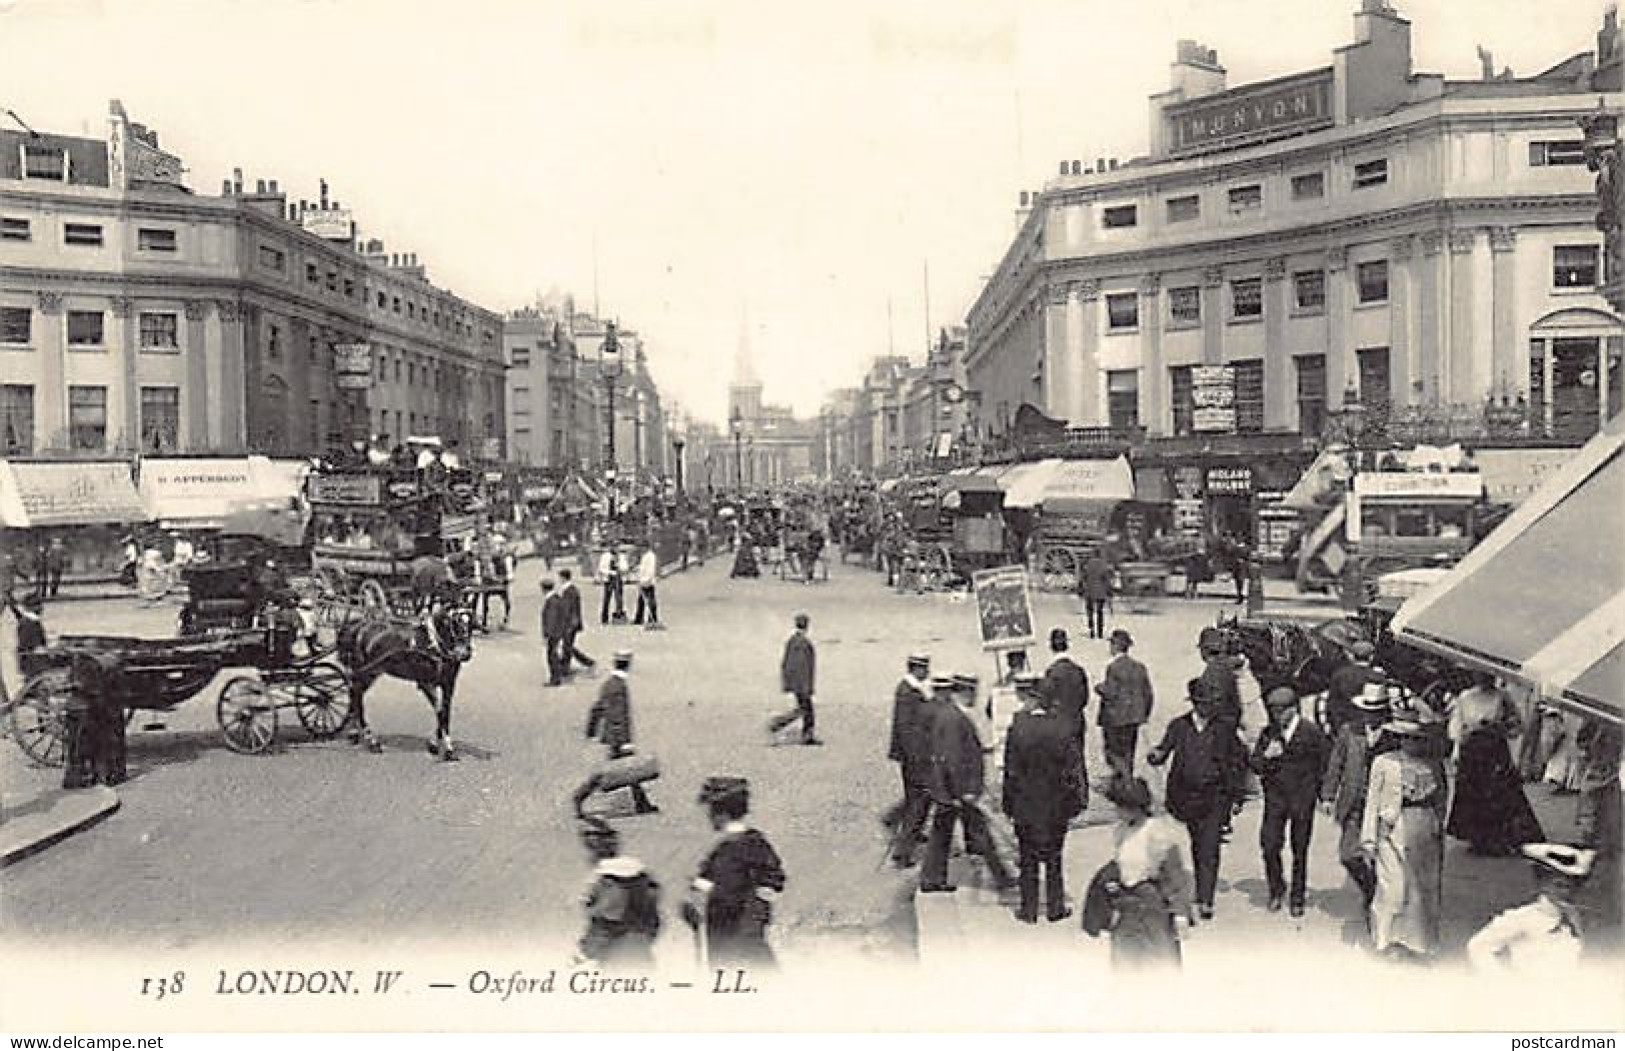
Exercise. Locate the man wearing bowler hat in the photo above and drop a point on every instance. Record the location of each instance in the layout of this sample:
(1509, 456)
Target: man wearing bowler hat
(1043, 791)
(1125, 705)
(610, 722)
(1066, 687)
(1290, 759)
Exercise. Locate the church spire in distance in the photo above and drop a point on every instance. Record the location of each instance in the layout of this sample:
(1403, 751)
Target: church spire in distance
(744, 363)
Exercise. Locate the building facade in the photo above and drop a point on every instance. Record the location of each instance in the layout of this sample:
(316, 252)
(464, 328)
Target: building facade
(1354, 233)
(137, 316)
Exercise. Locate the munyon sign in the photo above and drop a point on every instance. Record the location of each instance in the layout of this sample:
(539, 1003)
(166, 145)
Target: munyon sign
(1266, 110)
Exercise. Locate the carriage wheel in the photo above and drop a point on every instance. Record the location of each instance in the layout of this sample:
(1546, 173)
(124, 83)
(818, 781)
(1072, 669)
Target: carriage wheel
(39, 720)
(1058, 569)
(321, 698)
(247, 715)
(373, 596)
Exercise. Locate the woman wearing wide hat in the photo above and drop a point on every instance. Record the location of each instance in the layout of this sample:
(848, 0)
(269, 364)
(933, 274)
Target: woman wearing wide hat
(1402, 836)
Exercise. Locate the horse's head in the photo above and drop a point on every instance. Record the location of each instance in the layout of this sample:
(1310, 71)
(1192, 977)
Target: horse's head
(454, 624)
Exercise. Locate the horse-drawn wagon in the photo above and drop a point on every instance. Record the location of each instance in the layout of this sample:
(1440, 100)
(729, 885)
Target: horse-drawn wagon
(157, 675)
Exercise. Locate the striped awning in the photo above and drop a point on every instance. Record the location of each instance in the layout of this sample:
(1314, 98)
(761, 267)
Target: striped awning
(70, 492)
(1542, 599)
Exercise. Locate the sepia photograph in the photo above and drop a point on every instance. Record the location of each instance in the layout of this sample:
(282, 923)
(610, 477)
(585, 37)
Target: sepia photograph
(559, 516)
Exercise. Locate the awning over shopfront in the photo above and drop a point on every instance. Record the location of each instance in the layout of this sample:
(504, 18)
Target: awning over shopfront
(1024, 484)
(67, 493)
(205, 493)
(1090, 481)
(1542, 599)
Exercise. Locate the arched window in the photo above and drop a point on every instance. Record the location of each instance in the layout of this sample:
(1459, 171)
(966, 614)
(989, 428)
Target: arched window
(1575, 372)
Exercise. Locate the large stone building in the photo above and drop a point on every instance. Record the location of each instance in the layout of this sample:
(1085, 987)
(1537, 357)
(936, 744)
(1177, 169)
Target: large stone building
(1356, 232)
(769, 445)
(139, 316)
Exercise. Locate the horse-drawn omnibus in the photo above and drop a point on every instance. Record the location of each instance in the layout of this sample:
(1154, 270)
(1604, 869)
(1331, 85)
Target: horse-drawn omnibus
(368, 525)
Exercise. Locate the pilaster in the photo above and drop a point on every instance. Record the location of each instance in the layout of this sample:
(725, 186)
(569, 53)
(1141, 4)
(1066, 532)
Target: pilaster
(1278, 378)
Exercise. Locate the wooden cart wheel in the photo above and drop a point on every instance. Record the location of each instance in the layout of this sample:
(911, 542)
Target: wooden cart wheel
(321, 699)
(247, 715)
(373, 596)
(39, 720)
(1058, 569)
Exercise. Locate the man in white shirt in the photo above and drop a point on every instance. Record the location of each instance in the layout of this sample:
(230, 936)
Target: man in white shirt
(648, 576)
(609, 578)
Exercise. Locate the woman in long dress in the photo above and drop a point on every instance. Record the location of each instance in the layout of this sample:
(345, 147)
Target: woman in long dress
(1143, 896)
(1402, 835)
(1490, 810)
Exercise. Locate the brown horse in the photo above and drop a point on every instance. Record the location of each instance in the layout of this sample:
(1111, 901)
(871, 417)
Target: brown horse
(429, 655)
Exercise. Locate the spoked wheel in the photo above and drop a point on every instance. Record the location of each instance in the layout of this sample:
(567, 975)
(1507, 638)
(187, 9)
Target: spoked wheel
(247, 715)
(321, 698)
(373, 596)
(1058, 569)
(39, 721)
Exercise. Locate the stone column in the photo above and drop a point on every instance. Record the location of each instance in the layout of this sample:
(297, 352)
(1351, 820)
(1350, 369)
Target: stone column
(1089, 356)
(52, 402)
(129, 427)
(1339, 315)
(1549, 424)
(1504, 372)
(1060, 357)
(1278, 376)
(1154, 408)
(1428, 369)
(1459, 356)
(1401, 368)
(1213, 315)
(231, 423)
(193, 433)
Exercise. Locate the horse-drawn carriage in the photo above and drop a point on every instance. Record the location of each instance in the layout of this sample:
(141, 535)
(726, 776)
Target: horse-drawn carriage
(957, 525)
(158, 675)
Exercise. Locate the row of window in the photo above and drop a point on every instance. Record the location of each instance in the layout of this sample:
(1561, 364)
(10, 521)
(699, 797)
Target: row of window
(160, 416)
(1573, 266)
(92, 235)
(1246, 394)
(275, 259)
(1307, 186)
(158, 330)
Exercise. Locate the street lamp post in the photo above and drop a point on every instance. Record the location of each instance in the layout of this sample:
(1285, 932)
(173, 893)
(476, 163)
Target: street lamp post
(738, 426)
(609, 364)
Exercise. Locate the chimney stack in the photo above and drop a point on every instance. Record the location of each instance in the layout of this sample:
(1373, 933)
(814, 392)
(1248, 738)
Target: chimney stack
(225, 187)
(1196, 71)
(236, 180)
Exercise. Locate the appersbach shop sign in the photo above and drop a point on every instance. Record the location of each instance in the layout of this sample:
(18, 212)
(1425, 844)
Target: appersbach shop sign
(1261, 113)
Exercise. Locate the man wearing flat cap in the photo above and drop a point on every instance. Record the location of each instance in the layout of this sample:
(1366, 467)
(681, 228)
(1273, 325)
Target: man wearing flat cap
(1125, 705)
(1290, 759)
(730, 904)
(1544, 936)
(910, 749)
(1348, 774)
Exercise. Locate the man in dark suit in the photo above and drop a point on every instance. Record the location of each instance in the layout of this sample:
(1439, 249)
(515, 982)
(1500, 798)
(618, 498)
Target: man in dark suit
(555, 629)
(610, 723)
(1065, 687)
(1290, 758)
(1043, 790)
(573, 622)
(796, 677)
(910, 749)
(956, 787)
(1125, 705)
(1095, 585)
(1343, 789)
(1205, 782)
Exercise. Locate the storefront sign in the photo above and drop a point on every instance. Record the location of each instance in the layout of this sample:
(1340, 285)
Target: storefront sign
(1414, 485)
(344, 489)
(1510, 475)
(352, 365)
(44, 494)
(1188, 482)
(1188, 517)
(199, 493)
(1213, 397)
(1242, 116)
(1229, 481)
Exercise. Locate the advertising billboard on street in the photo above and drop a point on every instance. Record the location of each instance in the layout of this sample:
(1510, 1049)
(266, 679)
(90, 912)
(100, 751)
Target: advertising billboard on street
(1004, 608)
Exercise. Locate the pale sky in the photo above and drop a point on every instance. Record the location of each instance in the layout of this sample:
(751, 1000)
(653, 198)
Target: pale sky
(797, 163)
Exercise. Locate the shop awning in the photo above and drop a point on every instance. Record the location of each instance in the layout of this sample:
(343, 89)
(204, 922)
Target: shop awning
(1093, 481)
(1024, 484)
(1542, 599)
(67, 493)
